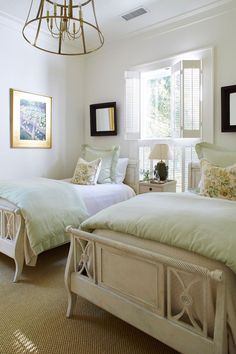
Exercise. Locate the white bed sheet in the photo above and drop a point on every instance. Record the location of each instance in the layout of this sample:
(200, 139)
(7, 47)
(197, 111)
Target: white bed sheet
(96, 197)
(101, 196)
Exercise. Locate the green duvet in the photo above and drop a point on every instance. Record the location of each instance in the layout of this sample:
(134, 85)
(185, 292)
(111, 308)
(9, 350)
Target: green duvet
(48, 206)
(198, 224)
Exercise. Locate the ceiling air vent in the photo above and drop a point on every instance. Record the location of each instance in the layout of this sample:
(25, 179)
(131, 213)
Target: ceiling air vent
(135, 13)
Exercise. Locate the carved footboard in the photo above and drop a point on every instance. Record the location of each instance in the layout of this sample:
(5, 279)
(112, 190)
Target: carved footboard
(139, 286)
(11, 237)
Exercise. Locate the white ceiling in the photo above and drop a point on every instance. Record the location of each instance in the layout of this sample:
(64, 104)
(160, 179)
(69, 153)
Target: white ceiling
(160, 12)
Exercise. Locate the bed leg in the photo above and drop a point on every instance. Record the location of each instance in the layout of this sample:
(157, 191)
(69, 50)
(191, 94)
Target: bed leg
(19, 262)
(71, 304)
(72, 297)
(19, 257)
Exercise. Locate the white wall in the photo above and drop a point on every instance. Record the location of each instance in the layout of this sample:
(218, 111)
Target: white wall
(25, 68)
(105, 70)
(75, 83)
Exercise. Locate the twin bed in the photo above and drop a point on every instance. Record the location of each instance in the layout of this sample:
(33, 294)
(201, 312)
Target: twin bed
(15, 240)
(164, 263)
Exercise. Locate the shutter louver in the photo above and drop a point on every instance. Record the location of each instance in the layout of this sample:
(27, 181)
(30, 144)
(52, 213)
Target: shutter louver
(186, 99)
(132, 105)
(191, 71)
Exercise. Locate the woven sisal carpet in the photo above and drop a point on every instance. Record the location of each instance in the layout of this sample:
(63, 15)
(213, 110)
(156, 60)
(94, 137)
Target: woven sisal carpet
(32, 316)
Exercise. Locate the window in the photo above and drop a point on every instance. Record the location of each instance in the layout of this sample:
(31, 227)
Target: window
(156, 104)
(164, 104)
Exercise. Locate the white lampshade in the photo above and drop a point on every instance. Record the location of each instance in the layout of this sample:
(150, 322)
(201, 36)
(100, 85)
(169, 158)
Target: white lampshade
(160, 152)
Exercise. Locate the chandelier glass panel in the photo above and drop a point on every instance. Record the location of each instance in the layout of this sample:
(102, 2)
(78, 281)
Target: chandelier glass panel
(64, 27)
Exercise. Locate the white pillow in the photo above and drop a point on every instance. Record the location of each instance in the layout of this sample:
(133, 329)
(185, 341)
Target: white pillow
(87, 172)
(121, 168)
(215, 154)
(109, 158)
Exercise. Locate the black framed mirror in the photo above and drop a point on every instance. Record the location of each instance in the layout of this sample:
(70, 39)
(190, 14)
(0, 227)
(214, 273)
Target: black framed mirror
(103, 119)
(228, 109)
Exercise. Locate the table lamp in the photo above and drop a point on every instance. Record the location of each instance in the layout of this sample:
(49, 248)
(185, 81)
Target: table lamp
(160, 152)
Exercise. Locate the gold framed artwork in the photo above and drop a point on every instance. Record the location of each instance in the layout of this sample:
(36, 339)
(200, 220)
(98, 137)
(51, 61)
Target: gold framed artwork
(31, 120)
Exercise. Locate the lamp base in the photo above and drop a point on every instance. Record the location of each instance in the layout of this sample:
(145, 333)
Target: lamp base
(161, 171)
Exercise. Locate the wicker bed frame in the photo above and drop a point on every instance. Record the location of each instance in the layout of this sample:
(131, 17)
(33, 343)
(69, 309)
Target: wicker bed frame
(136, 285)
(12, 226)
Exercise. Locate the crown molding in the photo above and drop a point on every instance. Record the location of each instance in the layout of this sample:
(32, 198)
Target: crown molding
(204, 13)
(11, 22)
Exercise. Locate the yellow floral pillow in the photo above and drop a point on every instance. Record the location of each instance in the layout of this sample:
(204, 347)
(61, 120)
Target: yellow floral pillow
(218, 182)
(86, 172)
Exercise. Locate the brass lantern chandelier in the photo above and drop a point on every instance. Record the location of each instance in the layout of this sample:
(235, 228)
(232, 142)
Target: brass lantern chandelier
(64, 27)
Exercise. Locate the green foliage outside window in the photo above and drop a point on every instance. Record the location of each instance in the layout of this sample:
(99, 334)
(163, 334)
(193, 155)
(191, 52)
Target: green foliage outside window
(158, 111)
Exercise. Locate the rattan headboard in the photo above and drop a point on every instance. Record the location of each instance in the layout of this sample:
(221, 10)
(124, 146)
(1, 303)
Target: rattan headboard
(132, 176)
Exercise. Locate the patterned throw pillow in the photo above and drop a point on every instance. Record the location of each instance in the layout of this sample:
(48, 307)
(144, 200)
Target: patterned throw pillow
(218, 182)
(86, 172)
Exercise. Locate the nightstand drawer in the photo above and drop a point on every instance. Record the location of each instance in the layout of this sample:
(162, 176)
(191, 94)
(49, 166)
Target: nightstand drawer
(146, 187)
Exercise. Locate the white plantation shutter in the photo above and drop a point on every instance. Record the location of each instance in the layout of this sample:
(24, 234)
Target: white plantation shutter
(191, 98)
(132, 105)
(186, 98)
(178, 167)
(144, 162)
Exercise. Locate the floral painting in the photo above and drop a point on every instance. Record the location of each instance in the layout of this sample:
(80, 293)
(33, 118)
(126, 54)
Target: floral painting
(30, 120)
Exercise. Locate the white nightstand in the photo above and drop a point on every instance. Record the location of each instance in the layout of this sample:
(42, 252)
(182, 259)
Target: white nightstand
(145, 187)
